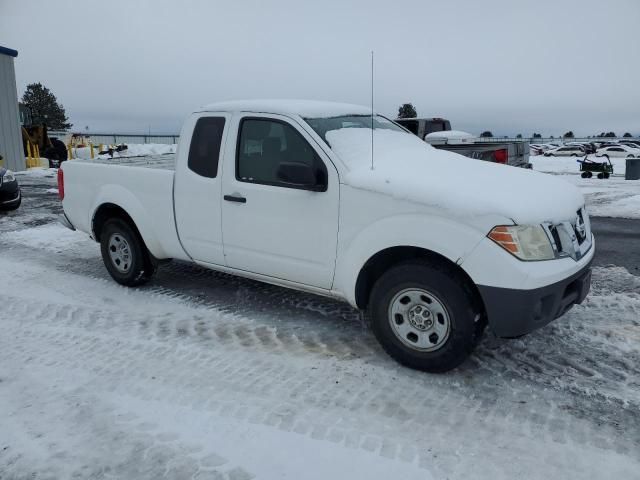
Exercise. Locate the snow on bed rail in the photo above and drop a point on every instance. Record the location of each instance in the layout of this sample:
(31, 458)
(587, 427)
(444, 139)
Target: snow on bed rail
(162, 162)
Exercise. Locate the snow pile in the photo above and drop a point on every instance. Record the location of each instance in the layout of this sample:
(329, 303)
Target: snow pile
(407, 168)
(39, 172)
(628, 207)
(133, 150)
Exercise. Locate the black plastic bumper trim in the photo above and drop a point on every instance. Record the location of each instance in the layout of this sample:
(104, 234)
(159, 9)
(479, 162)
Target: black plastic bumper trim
(514, 312)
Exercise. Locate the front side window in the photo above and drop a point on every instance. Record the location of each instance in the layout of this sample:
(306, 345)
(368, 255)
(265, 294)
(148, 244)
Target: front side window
(204, 151)
(265, 145)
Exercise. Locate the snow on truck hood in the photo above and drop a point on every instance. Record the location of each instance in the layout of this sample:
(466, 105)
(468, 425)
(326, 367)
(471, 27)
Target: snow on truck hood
(407, 168)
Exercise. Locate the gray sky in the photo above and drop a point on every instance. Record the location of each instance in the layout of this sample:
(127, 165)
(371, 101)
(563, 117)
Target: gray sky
(505, 65)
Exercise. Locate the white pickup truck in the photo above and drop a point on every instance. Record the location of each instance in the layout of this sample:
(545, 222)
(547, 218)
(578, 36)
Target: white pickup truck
(430, 244)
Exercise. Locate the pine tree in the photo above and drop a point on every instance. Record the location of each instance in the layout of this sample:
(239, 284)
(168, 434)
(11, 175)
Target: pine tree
(45, 108)
(407, 110)
(569, 134)
(486, 133)
(627, 135)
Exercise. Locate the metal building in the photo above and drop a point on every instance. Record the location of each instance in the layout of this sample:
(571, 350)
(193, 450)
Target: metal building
(10, 134)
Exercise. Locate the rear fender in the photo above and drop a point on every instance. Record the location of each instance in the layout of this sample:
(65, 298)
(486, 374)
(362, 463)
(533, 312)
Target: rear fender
(120, 196)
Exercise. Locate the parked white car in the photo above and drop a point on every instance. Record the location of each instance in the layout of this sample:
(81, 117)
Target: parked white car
(566, 151)
(623, 151)
(430, 244)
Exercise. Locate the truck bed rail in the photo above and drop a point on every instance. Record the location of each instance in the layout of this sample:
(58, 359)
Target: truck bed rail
(163, 162)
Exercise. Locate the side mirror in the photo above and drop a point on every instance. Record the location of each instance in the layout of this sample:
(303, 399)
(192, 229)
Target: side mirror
(298, 175)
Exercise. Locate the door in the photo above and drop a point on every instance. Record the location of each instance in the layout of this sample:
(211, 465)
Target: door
(197, 187)
(273, 226)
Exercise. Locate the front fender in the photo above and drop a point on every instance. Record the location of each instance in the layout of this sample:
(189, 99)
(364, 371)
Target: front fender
(453, 240)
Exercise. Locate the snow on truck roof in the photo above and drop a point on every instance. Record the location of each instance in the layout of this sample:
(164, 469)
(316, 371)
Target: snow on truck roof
(304, 108)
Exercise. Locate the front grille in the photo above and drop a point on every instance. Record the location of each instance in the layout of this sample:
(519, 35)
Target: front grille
(571, 238)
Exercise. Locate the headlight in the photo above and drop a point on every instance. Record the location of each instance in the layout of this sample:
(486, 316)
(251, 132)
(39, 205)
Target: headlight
(8, 177)
(526, 242)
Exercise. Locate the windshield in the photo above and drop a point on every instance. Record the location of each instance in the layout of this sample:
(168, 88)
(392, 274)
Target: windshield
(323, 125)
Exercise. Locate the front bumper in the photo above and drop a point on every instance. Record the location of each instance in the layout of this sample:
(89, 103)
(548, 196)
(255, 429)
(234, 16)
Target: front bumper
(516, 312)
(10, 194)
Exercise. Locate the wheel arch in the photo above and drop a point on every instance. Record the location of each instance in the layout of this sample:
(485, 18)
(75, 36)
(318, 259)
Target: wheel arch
(105, 212)
(385, 259)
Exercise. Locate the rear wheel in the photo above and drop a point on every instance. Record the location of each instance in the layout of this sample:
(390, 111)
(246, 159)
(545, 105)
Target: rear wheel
(424, 316)
(124, 254)
(585, 175)
(601, 175)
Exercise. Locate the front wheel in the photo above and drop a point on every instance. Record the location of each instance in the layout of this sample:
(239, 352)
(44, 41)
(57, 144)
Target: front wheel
(424, 316)
(124, 254)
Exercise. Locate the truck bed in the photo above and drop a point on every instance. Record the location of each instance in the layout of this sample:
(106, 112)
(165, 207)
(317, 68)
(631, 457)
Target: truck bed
(165, 161)
(141, 186)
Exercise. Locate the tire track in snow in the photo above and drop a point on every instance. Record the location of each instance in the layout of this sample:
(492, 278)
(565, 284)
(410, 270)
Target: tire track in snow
(263, 380)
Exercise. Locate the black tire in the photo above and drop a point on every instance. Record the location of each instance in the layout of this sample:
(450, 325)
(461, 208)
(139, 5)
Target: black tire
(451, 289)
(606, 175)
(601, 175)
(140, 268)
(590, 174)
(585, 175)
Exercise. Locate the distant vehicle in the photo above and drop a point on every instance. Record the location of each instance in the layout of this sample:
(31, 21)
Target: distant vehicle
(608, 144)
(618, 151)
(566, 151)
(631, 143)
(547, 146)
(535, 149)
(437, 132)
(432, 245)
(10, 195)
(588, 147)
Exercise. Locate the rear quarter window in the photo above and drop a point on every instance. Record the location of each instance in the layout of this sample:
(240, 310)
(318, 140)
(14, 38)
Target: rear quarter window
(204, 152)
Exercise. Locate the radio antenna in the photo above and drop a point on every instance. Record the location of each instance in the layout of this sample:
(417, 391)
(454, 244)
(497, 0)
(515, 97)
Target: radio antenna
(371, 109)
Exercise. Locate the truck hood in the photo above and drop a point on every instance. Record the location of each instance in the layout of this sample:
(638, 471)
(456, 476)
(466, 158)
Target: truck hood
(407, 168)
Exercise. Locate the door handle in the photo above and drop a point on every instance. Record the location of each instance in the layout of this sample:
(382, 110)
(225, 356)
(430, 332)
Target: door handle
(235, 198)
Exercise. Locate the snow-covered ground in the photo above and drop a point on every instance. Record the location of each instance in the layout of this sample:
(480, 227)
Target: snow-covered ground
(202, 375)
(613, 197)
